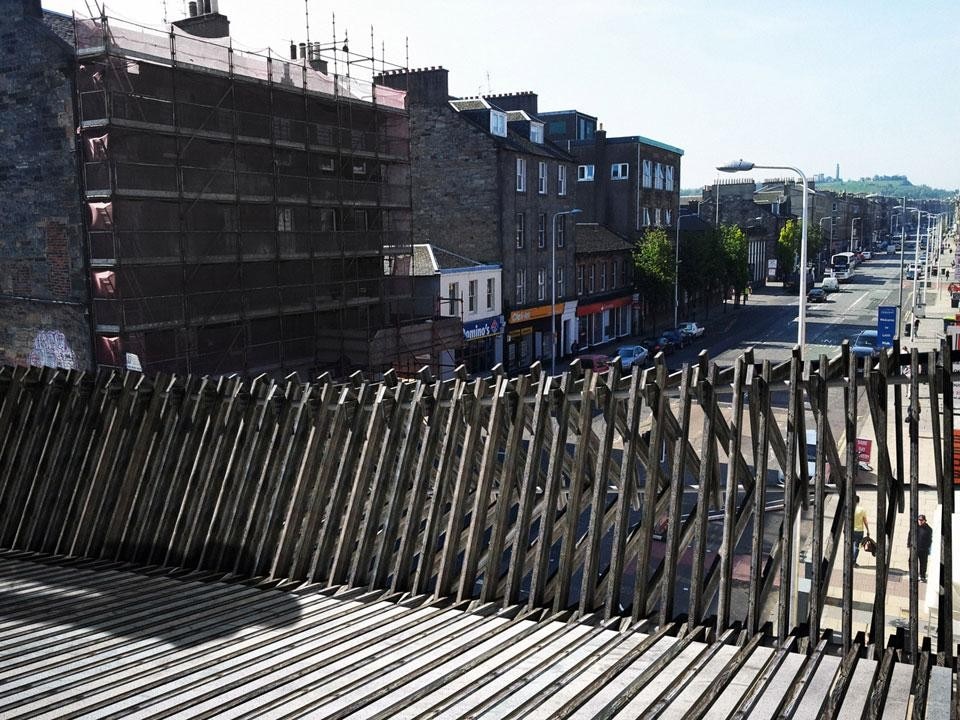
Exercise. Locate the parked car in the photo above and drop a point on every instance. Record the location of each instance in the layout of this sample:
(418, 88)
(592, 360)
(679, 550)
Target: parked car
(658, 344)
(830, 284)
(676, 337)
(866, 344)
(811, 453)
(691, 329)
(867, 255)
(816, 295)
(631, 355)
(596, 363)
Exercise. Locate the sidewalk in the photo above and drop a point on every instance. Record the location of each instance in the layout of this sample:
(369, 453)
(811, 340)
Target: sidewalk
(929, 336)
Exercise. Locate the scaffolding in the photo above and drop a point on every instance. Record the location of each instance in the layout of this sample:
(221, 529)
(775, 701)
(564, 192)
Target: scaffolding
(238, 206)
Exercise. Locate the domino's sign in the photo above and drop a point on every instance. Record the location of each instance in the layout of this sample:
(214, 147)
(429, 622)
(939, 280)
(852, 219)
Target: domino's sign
(483, 328)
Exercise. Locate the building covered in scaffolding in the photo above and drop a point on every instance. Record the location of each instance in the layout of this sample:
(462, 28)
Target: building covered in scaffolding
(238, 206)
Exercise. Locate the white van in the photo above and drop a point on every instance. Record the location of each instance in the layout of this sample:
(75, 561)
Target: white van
(830, 284)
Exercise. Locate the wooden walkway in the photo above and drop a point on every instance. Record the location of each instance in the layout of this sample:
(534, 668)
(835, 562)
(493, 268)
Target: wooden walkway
(638, 501)
(83, 639)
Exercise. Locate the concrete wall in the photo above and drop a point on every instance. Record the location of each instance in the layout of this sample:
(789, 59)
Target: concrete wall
(43, 283)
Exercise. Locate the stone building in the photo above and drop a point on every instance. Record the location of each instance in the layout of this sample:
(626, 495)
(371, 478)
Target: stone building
(44, 306)
(604, 285)
(488, 185)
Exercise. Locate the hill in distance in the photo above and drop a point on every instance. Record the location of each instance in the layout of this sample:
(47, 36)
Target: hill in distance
(887, 185)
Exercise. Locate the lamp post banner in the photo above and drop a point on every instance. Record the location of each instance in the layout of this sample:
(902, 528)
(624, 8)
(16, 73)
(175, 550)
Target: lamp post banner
(886, 325)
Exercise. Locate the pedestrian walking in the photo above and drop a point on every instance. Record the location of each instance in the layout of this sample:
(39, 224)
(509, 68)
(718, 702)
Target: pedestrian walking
(924, 541)
(860, 528)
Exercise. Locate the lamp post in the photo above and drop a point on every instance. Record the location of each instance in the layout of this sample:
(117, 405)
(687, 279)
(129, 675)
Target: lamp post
(830, 248)
(553, 284)
(852, 221)
(743, 166)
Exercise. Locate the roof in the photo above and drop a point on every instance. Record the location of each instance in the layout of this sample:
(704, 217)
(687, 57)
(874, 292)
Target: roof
(639, 139)
(595, 238)
(475, 111)
(430, 259)
(61, 25)
(567, 112)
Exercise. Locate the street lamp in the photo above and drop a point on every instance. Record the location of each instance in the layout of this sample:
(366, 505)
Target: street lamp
(553, 284)
(852, 221)
(830, 247)
(743, 166)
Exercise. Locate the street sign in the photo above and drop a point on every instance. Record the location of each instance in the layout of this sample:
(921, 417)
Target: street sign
(864, 446)
(886, 325)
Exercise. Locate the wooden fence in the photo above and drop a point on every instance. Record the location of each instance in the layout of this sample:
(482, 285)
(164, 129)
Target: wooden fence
(579, 492)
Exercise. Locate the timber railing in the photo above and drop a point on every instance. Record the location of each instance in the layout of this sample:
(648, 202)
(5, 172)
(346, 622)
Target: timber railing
(581, 492)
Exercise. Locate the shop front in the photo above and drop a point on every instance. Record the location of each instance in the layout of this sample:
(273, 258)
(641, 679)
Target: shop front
(603, 321)
(529, 336)
(482, 347)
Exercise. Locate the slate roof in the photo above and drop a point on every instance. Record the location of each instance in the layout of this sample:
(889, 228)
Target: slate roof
(61, 25)
(595, 238)
(429, 259)
(476, 111)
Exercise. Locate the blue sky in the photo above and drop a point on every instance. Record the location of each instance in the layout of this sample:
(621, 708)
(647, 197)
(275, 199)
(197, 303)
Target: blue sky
(871, 86)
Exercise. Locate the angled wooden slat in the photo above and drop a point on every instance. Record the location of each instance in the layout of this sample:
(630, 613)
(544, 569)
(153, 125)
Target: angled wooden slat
(540, 563)
(914, 422)
(596, 527)
(545, 391)
(945, 637)
(728, 542)
(627, 489)
(792, 486)
(698, 600)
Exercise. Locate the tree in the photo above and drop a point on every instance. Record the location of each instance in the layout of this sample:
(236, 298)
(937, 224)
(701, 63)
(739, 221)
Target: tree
(654, 263)
(788, 247)
(733, 246)
(701, 265)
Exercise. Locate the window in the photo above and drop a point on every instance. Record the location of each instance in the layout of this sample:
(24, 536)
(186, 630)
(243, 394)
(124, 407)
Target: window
(328, 220)
(542, 178)
(542, 230)
(285, 219)
(603, 276)
(360, 219)
(541, 284)
(619, 171)
(521, 286)
(360, 168)
(472, 296)
(668, 216)
(669, 181)
(614, 273)
(647, 173)
(656, 217)
(561, 289)
(536, 133)
(521, 221)
(585, 173)
(521, 175)
(590, 278)
(623, 274)
(579, 279)
(453, 298)
(498, 123)
(658, 178)
(646, 217)
(561, 179)
(561, 229)
(491, 293)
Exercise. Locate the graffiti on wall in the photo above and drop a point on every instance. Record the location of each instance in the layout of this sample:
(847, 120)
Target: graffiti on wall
(51, 349)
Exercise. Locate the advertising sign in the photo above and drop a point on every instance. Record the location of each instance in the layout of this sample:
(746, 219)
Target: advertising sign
(886, 325)
(771, 269)
(864, 447)
(483, 328)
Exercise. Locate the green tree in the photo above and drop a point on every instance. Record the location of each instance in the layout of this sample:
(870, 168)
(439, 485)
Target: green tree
(654, 262)
(701, 266)
(736, 269)
(788, 247)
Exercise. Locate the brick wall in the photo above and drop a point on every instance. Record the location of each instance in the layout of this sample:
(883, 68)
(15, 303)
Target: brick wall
(43, 288)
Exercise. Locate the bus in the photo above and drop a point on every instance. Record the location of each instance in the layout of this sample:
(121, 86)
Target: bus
(843, 265)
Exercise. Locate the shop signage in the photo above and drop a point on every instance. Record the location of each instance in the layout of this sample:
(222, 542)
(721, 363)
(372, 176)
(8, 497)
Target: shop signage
(605, 305)
(483, 328)
(543, 311)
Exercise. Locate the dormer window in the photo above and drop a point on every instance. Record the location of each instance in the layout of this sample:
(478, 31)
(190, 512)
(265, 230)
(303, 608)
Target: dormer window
(498, 123)
(536, 133)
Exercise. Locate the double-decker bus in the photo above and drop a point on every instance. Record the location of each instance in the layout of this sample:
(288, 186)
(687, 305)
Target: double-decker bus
(843, 265)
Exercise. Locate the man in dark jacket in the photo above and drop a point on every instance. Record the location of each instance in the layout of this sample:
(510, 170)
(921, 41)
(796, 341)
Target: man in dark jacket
(924, 541)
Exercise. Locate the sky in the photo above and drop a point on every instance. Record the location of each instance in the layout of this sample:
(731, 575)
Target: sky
(869, 85)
